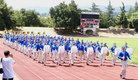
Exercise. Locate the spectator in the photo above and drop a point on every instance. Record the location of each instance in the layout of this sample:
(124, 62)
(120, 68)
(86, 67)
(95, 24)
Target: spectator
(7, 64)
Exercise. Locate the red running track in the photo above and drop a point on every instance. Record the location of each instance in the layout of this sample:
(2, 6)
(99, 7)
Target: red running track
(27, 69)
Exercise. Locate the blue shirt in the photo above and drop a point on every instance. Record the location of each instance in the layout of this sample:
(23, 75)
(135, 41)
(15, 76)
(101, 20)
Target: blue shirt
(124, 54)
(41, 46)
(113, 49)
(53, 47)
(99, 48)
(37, 47)
(81, 48)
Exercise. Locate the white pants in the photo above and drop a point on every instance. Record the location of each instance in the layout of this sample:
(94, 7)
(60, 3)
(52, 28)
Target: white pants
(64, 56)
(50, 54)
(19, 47)
(40, 55)
(80, 53)
(29, 52)
(61, 56)
(71, 57)
(54, 55)
(24, 49)
(90, 57)
(102, 58)
(34, 53)
(45, 57)
(124, 66)
(15, 45)
(114, 58)
(85, 54)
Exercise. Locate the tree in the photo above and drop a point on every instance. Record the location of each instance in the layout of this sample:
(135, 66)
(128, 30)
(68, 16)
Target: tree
(18, 17)
(67, 16)
(103, 20)
(74, 14)
(136, 7)
(94, 7)
(6, 16)
(122, 19)
(134, 20)
(46, 21)
(135, 24)
(129, 13)
(110, 15)
(32, 18)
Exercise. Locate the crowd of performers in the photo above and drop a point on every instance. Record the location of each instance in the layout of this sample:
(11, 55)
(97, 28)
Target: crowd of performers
(39, 47)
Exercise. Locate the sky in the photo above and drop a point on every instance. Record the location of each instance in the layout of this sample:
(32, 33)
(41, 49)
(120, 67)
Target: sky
(39, 4)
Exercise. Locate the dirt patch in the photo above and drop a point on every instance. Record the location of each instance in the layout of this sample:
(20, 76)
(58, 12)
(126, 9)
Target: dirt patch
(122, 33)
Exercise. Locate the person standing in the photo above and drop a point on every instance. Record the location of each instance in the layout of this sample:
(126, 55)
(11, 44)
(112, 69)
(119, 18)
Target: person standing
(112, 50)
(7, 64)
(124, 55)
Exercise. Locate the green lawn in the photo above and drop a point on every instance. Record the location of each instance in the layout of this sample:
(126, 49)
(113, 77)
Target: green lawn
(133, 43)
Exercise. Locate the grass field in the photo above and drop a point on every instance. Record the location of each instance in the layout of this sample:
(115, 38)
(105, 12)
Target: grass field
(133, 43)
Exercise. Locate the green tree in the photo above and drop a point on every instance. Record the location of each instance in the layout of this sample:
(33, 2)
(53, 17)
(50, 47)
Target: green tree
(110, 15)
(6, 16)
(18, 17)
(103, 20)
(74, 14)
(135, 24)
(67, 16)
(94, 7)
(134, 20)
(122, 19)
(136, 7)
(129, 13)
(32, 18)
(46, 21)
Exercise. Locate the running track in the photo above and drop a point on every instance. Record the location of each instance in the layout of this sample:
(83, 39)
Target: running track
(27, 69)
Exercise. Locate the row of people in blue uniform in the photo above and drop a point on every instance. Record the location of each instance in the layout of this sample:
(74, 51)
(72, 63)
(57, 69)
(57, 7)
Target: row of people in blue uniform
(36, 43)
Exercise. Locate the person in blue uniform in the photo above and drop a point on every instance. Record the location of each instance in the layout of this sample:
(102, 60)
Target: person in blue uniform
(40, 52)
(112, 50)
(46, 50)
(29, 48)
(54, 52)
(123, 56)
(61, 51)
(37, 47)
(105, 45)
(85, 51)
(24, 46)
(100, 47)
(81, 51)
(100, 54)
(90, 53)
(126, 45)
(93, 55)
(94, 48)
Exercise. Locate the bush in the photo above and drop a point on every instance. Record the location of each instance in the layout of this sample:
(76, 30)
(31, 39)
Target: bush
(135, 24)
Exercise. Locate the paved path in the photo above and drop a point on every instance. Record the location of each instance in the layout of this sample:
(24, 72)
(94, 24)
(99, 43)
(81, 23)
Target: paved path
(27, 69)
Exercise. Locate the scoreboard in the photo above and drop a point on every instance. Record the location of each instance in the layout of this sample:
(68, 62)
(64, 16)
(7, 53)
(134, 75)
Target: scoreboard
(89, 21)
